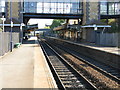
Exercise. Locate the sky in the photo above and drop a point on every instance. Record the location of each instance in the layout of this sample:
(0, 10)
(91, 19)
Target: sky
(41, 22)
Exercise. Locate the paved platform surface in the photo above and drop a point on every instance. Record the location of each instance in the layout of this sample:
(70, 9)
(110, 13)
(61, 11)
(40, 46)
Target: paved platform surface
(26, 67)
(114, 50)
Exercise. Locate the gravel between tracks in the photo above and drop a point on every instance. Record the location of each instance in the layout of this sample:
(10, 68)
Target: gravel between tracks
(100, 80)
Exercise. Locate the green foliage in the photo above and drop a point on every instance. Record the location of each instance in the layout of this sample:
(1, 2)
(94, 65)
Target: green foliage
(56, 23)
(103, 20)
(0, 21)
(114, 25)
(0, 29)
(47, 27)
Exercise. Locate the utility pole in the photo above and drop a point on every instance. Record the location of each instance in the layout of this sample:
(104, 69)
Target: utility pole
(11, 42)
(21, 27)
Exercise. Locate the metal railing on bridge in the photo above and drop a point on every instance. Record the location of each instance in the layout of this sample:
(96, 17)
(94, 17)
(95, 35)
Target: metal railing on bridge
(64, 7)
(110, 8)
(54, 6)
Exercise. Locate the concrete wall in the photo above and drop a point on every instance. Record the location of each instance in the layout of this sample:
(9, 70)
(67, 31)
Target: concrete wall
(5, 41)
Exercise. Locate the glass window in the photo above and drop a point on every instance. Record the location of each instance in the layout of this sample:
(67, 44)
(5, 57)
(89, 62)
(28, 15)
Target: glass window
(67, 7)
(117, 8)
(2, 5)
(114, 8)
(103, 7)
(46, 10)
(53, 7)
(26, 4)
(111, 8)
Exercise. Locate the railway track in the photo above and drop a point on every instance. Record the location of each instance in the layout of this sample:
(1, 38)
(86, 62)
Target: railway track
(99, 67)
(67, 77)
(115, 73)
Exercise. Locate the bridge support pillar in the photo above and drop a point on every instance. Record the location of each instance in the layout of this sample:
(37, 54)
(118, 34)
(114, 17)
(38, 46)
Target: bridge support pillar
(91, 11)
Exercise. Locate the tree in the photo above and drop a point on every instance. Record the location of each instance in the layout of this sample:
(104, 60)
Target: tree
(56, 23)
(47, 27)
(114, 25)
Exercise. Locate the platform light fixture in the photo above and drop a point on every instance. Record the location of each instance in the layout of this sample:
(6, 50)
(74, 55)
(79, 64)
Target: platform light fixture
(95, 27)
(21, 29)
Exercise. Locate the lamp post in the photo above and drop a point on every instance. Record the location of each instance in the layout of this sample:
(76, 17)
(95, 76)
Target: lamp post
(21, 29)
(11, 26)
(22, 24)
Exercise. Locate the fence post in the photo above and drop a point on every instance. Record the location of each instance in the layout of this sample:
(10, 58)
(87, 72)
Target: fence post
(118, 40)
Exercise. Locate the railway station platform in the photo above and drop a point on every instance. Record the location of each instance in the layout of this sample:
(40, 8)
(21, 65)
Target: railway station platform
(26, 67)
(109, 49)
(106, 55)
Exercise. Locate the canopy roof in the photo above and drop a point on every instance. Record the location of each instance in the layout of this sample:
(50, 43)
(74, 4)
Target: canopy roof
(89, 26)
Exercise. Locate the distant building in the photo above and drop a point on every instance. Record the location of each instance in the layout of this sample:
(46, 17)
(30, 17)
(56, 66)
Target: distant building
(40, 32)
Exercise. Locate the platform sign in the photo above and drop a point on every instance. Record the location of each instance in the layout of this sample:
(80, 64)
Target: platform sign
(11, 23)
(95, 28)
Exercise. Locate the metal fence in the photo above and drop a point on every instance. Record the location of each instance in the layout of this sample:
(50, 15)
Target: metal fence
(107, 39)
(5, 41)
(104, 39)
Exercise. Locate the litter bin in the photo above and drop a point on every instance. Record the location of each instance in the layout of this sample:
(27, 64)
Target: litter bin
(17, 45)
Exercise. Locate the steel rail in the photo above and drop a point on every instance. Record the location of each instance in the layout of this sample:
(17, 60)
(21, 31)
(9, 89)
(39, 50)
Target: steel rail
(65, 62)
(90, 64)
